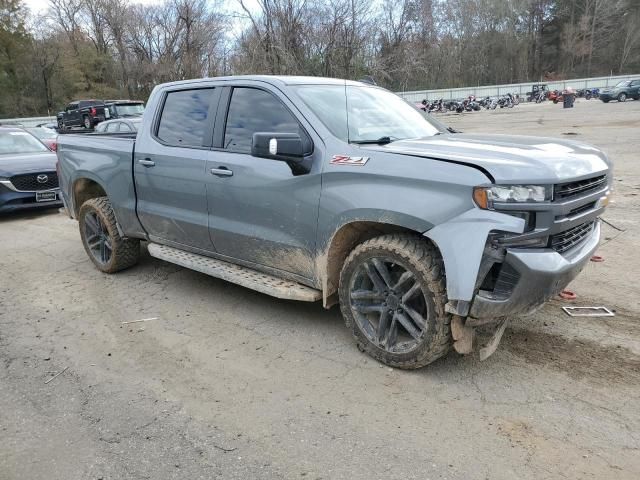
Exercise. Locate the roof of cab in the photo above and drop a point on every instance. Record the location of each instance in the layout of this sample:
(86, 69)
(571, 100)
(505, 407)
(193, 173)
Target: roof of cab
(273, 79)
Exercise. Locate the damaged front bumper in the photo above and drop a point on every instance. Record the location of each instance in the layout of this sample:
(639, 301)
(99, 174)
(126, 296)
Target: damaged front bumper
(527, 278)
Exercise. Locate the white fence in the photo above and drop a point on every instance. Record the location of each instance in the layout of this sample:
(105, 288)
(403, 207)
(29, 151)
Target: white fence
(519, 88)
(27, 122)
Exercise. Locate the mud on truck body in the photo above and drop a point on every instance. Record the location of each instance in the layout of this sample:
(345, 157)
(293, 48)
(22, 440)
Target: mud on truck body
(321, 189)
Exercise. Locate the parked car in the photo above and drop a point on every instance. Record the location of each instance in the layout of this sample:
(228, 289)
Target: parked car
(120, 125)
(321, 189)
(82, 113)
(622, 91)
(123, 108)
(28, 177)
(45, 135)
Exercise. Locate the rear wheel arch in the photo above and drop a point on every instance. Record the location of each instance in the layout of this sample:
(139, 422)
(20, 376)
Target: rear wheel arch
(85, 189)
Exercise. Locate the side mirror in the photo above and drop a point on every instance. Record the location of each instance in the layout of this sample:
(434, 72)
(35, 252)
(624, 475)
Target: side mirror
(286, 147)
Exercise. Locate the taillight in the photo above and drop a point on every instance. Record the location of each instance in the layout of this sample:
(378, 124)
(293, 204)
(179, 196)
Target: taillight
(53, 146)
(92, 111)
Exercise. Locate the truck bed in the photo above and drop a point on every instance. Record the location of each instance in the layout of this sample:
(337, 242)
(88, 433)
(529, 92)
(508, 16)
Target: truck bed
(106, 159)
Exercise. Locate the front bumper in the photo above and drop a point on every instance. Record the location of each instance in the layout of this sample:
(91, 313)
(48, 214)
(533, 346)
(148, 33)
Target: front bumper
(606, 96)
(536, 276)
(11, 201)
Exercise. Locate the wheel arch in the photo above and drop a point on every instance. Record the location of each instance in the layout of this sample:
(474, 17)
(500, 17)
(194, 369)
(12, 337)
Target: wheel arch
(85, 188)
(344, 239)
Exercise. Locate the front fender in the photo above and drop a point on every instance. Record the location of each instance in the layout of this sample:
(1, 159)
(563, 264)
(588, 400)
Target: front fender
(461, 242)
(370, 215)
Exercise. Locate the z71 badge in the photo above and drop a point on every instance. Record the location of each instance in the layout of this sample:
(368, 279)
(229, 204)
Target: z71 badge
(346, 160)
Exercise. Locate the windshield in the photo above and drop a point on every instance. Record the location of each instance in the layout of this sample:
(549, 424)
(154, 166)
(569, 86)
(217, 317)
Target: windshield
(365, 114)
(127, 110)
(624, 83)
(42, 132)
(20, 142)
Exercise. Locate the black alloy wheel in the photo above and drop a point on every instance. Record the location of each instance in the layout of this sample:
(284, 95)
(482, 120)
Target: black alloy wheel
(98, 239)
(389, 305)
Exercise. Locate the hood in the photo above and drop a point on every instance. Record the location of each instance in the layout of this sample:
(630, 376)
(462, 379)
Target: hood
(509, 158)
(15, 164)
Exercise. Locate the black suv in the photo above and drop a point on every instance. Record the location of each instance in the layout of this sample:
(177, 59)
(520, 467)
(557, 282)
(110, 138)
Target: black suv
(623, 90)
(82, 113)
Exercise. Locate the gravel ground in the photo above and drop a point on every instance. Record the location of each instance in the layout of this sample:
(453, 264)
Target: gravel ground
(229, 383)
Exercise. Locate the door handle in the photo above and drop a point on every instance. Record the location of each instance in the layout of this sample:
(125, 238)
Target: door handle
(147, 162)
(221, 172)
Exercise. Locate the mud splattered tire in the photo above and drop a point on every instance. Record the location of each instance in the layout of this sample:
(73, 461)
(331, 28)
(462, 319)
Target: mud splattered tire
(108, 251)
(397, 281)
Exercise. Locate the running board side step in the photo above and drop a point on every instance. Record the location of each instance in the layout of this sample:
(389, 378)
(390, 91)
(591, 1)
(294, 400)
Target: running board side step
(243, 276)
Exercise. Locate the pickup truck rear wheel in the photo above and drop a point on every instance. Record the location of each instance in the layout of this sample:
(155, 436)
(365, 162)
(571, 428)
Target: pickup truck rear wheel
(86, 121)
(101, 239)
(392, 297)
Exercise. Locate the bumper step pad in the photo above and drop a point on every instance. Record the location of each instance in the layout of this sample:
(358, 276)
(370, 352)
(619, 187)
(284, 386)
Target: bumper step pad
(246, 277)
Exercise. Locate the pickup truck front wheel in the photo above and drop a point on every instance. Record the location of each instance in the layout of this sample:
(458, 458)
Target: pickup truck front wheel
(101, 239)
(392, 297)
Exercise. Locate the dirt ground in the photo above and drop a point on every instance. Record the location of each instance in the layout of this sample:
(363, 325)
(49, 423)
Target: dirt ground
(229, 383)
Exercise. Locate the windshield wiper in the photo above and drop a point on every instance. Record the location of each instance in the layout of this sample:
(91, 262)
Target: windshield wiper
(380, 141)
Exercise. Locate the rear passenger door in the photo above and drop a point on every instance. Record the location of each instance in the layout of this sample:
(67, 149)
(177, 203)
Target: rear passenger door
(635, 89)
(260, 212)
(169, 168)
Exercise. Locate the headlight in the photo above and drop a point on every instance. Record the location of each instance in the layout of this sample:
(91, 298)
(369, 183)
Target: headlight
(487, 197)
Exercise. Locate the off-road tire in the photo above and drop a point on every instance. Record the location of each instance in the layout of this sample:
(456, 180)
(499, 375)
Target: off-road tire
(425, 262)
(124, 253)
(622, 97)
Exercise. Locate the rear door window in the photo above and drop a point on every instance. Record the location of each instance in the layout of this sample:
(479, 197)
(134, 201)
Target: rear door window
(252, 110)
(184, 117)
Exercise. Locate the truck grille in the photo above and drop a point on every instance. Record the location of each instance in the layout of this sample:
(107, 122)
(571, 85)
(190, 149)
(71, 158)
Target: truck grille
(561, 242)
(29, 182)
(566, 190)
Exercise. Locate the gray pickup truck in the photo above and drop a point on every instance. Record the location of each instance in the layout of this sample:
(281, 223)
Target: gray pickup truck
(320, 189)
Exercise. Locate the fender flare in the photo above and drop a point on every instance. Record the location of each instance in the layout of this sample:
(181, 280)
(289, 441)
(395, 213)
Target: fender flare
(461, 242)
